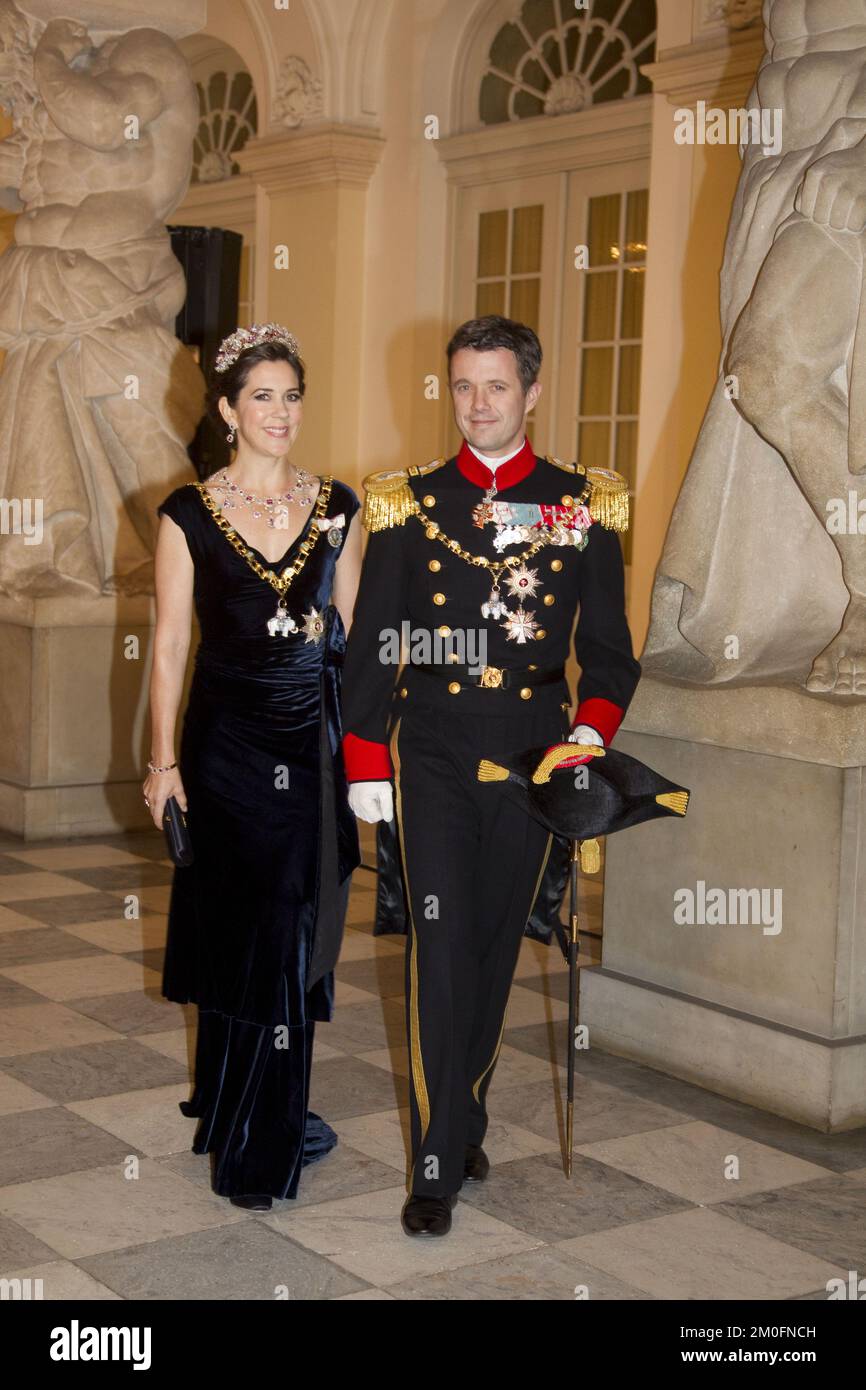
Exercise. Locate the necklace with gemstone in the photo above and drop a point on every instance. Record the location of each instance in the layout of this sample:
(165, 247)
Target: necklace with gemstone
(275, 508)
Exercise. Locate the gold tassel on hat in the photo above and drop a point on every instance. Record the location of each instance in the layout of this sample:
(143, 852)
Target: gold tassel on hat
(608, 500)
(590, 857)
(675, 801)
(491, 772)
(388, 500)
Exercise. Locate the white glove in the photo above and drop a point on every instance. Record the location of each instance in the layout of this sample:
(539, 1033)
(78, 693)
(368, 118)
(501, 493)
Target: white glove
(372, 801)
(584, 734)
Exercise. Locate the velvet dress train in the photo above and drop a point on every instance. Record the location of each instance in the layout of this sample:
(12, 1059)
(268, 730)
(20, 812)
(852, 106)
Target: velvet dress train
(255, 922)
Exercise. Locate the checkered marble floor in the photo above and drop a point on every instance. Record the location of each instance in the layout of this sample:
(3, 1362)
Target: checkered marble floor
(101, 1198)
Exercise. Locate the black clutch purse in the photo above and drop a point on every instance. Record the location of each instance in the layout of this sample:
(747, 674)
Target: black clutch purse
(177, 834)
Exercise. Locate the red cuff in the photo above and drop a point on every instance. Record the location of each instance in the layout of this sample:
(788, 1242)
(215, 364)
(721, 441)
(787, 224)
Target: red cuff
(601, 715)
(365, 761)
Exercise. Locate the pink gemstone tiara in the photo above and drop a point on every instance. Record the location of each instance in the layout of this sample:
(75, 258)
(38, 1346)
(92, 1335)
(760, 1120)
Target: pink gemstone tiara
(231, 347)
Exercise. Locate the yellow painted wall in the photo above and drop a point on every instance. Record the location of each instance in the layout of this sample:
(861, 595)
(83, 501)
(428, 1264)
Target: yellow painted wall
(320, 298)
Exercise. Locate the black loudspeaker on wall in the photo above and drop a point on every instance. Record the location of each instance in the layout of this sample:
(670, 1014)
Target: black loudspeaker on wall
(211, 260)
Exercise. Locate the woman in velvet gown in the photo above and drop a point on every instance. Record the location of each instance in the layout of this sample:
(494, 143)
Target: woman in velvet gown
(255, 922)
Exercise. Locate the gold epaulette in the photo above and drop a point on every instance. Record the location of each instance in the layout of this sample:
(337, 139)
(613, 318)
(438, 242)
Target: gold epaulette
(389, 499)
(608, 494)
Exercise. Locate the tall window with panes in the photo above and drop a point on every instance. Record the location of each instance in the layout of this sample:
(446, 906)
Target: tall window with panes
(509, 263)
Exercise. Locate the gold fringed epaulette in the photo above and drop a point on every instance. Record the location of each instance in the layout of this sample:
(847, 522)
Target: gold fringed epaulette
(388, 500)
(608, 493)
(608, 498)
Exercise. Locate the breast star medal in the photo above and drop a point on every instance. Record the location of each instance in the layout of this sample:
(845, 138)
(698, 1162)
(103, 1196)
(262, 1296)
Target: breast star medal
(522, 582)
(314, 626)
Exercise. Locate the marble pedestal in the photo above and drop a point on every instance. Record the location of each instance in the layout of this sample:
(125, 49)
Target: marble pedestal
(73, 714)
(773, 1018)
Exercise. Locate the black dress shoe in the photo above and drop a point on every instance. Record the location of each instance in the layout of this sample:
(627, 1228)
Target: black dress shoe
(476, 1165)
(428, 1216)
(255, 1201)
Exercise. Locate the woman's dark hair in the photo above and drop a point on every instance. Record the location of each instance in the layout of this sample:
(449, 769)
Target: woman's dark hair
(493, 331)
(232, 381)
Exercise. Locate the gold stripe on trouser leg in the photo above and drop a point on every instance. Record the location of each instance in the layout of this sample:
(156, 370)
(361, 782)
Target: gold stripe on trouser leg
(417, 1060)
(492, 1062)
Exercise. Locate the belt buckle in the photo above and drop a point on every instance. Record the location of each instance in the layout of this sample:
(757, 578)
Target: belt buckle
(491, 677)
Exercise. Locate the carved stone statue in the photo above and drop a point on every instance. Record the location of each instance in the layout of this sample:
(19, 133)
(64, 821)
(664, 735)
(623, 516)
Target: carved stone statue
(299, 94)
(763, 576)
(98, 399)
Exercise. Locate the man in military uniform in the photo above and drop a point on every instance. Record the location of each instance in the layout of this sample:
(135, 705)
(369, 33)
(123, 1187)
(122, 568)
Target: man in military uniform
(499, 549)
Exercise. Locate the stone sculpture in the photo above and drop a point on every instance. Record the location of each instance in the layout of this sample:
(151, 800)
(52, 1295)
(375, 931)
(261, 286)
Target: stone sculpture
(98, 399)
(763, 575)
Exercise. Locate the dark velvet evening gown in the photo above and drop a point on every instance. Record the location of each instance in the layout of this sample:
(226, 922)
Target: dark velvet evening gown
(255, 922)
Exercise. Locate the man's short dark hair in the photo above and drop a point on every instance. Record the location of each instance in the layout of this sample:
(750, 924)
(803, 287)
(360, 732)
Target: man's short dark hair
(492, 332)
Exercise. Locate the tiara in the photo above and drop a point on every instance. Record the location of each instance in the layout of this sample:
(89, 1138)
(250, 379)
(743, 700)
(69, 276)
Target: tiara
(231, 347)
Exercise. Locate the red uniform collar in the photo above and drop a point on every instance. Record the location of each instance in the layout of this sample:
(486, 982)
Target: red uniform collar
(514, 471)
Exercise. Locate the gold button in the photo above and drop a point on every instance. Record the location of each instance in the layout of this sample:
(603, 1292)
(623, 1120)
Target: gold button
(439, 599)
(549, 599)
(526, 693)
(540, 635)
(444, 632)
(432, 532)
(556, 566)
(429, 501)
(532, 668)
(403, 693)
(454, 688)
(567, 501)
(435, 566)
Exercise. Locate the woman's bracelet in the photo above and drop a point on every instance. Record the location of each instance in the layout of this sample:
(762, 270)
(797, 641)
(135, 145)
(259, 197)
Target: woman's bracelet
(152, 768)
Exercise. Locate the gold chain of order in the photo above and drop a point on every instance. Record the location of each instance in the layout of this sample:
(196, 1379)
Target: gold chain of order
(279, 582)
(496, 567)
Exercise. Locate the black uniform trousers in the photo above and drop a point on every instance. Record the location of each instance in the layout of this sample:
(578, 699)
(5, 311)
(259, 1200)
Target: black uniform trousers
(473, 863)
